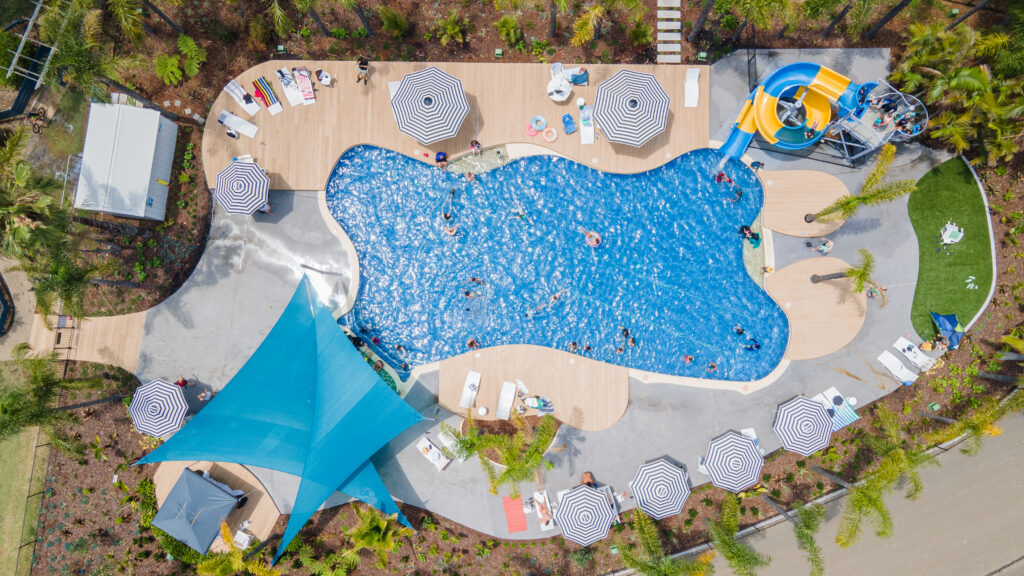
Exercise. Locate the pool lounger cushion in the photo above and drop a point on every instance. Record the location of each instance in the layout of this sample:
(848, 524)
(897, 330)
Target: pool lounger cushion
(914, 354)
(896, 368)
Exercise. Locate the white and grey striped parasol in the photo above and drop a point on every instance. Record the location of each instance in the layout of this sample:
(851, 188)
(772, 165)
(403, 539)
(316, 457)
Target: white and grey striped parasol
(733, 462)
(631, 108)
(803, 426)
(584, 515)
(430, 105)
(660, 488)
(158, 408)
(242, 187)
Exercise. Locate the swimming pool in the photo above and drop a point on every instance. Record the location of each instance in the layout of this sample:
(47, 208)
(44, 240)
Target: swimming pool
(669, 268)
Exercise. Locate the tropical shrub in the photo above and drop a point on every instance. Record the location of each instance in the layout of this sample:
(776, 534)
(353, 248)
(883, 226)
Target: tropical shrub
(392, 22)
(167, 69)
(509, 30)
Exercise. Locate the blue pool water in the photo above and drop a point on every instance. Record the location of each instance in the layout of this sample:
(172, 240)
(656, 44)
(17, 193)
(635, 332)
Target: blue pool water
(669, 268)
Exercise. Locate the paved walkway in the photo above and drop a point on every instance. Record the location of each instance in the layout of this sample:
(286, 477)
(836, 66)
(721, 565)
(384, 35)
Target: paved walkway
(966, 522)
(251, 265)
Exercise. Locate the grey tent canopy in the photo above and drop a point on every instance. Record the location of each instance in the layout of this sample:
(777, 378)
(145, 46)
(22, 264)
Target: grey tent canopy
(194, 511)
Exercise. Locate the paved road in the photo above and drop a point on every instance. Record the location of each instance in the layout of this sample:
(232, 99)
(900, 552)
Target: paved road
(967, 522)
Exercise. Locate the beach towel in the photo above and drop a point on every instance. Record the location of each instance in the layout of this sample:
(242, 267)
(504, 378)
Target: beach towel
(244, 99)
(837, 407)
(240, 125)
(305, 86)
(266, 95)
(291, 89)
(515, 518)
(914, 354)
(587, 125)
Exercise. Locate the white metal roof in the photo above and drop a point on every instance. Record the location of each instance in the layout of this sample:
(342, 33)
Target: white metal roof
(122, 145)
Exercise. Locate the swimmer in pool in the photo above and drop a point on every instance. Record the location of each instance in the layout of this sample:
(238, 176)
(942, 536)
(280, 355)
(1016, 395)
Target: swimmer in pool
(450, 230)
(554, 299)
(573, 347)
(476, 280)
(712, 367)
(469, 294)
(472, 344)
(687, 359)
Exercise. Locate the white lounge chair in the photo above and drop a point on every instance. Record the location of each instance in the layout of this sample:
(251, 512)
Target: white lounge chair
(914, 354)
(505, 401)
(692, 88)
(433, 454)
(469, 389)
(237, 124)
(896, 368)
(542, 498)
(244, 99)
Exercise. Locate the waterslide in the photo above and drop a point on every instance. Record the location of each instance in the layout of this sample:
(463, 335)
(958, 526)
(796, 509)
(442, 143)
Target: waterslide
(793, 106)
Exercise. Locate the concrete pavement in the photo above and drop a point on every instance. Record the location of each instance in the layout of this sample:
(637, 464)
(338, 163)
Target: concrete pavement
(967, 522)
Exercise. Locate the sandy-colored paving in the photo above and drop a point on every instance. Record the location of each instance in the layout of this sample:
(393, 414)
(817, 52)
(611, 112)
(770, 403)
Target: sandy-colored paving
(106, 339)
(587, 394)
(299, 146)
(260, 509)
(823, 317)
(789, 195)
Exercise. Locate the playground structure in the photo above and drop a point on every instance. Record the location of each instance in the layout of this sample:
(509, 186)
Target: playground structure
(803, 103)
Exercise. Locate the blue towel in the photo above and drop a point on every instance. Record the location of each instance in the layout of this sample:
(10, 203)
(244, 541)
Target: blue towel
(568, 123)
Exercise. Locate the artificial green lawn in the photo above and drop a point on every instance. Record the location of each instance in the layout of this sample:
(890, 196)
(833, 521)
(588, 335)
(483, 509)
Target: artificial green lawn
(949, 193)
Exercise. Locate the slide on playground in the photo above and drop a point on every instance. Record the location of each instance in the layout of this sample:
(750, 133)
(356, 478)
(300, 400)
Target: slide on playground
(793, 106)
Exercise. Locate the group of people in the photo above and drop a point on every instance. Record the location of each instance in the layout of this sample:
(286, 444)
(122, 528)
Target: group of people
(751, 342)
(749, 235)
(723, 178)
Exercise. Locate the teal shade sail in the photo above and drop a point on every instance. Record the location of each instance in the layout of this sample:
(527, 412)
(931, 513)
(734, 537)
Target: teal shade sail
(306, 403)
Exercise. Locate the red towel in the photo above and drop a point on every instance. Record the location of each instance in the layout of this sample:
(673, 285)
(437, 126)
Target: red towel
(514, 515)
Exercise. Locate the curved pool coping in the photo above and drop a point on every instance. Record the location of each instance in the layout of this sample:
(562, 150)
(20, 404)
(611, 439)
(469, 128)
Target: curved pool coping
(517, 150)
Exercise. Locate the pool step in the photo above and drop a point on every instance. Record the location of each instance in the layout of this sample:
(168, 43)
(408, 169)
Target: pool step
(670, 35)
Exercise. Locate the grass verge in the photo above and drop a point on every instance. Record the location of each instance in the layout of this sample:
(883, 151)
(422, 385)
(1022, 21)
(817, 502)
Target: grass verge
(949, 193)
(16, 462)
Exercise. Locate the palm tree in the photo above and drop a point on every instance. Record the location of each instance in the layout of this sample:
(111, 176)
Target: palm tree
(861, 273)
(761, 12)
(742, 559)
(34, 401)
(968, 14)
(865, 501)
(980, 424)
(60, 278)
(588, 25)
(816, 9)
(466, 444)
(30, 218)
(561, 6)
(128, 15)
(888, 16)
(873, 192)
(234, 561)
(333, 564)
(520, 455)
(83, 58)
(701, 19)
(354, 6)
(805, 527)
(376, 533)
(650, 559)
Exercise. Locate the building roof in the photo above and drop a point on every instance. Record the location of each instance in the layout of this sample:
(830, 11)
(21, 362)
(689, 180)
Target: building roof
(126, 164)
(306, 403)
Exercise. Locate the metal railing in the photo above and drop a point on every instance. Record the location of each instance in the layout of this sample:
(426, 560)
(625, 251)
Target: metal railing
(30, 524)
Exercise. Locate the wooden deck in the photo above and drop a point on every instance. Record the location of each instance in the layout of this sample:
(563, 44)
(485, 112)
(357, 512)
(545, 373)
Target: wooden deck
(106, 339)
(299, 146)
(260, 510)
(791, 194)
(587, 394)
(823, 317)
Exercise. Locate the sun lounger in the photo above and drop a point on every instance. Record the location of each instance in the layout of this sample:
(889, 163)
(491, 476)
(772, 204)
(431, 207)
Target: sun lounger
(448, 442)
(305, 86)
(290, 88)
(587, 125)
(896, 368)
(568, 123)
(541, 499)
(244, 99)
(914, 354)
(752, 434)
(265, 93)
(433, 454)
(692, 88)
(505, 401)
(237, 124)
(469, 389)
(838, 408)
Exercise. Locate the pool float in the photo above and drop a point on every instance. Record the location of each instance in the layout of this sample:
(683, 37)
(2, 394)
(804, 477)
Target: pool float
(538, 123)
(592, 238)
(530, 131)
(550, 134)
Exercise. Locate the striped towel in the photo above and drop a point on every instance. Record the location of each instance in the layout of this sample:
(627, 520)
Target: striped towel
(305, 86)
(266, 94)
(842, 414)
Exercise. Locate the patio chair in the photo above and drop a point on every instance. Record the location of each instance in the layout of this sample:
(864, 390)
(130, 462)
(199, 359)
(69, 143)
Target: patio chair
(897, 369)
(692, 88)
(914, 354)
(505, 401)
(568, 123)
(470, 389)
(582, 78)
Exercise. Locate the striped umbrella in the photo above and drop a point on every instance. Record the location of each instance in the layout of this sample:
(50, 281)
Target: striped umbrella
(803, 425)
(430, 105)
(242, 187)
(631, 108)
(660, 488)
(733, 462)
(585, 515)
(158, 408)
